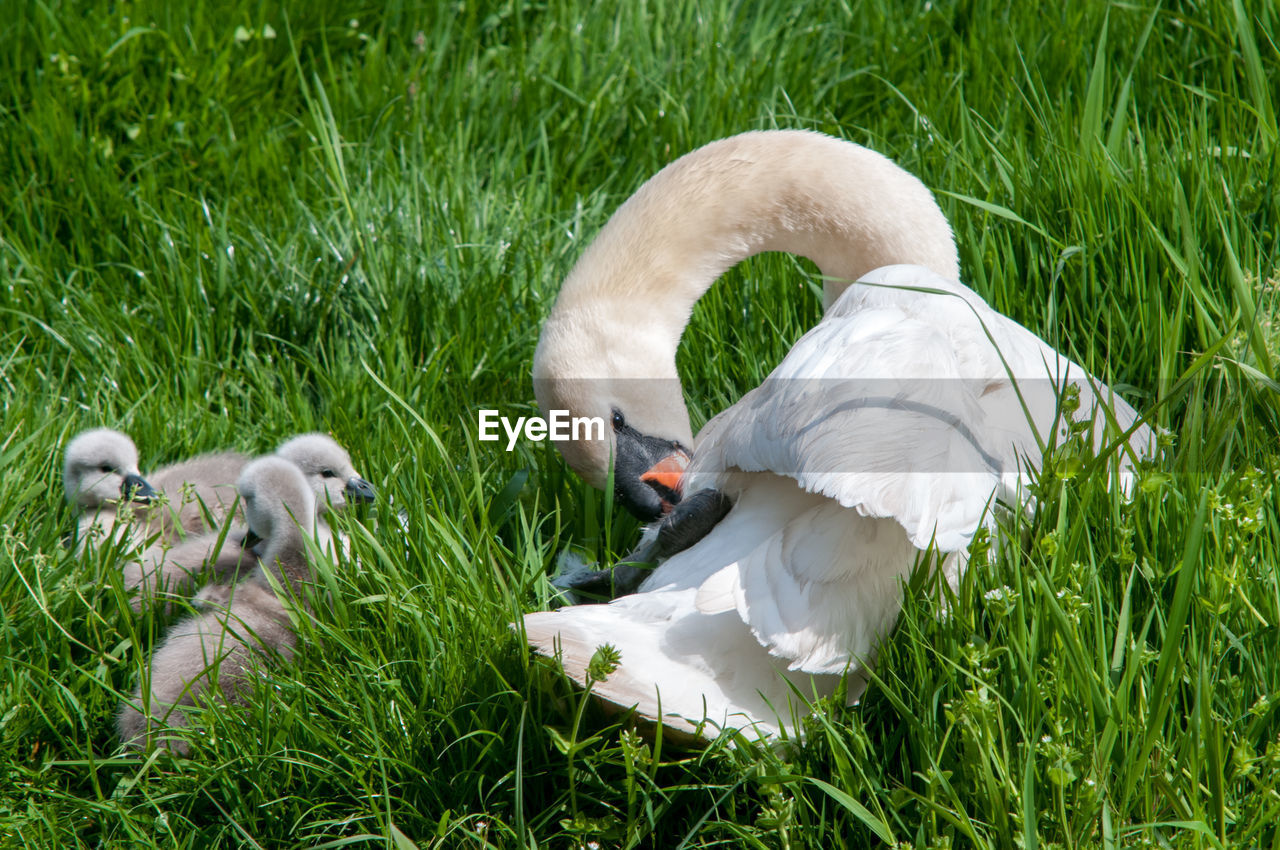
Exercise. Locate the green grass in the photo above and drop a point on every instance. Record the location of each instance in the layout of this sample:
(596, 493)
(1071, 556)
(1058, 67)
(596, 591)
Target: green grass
(224, 223)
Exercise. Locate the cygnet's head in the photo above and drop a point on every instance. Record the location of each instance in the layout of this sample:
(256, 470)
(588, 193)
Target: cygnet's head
(102, 467)
(277, 500)
(328, 470)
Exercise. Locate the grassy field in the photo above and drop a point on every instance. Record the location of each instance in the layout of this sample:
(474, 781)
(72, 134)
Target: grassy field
(225, 223)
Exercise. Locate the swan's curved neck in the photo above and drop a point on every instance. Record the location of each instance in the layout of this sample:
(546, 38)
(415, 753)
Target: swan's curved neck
(846, 208)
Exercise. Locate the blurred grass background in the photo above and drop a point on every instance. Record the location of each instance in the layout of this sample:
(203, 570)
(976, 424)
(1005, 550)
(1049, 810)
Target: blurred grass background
(225, 223)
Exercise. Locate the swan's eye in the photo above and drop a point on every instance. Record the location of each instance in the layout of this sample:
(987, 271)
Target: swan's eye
(618, 421)
(328, 473)
(105, 468)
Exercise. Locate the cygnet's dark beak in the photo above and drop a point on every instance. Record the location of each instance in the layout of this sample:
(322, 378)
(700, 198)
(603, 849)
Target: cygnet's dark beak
(359, 490)
(646, 473)
(250, 540)
(135, 488)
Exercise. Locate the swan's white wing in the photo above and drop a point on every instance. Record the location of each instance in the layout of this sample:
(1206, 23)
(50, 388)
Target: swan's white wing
(1020, 373)
(910, 405)
(822, 591)
(870, 417)
(869, 409)
(912, 413)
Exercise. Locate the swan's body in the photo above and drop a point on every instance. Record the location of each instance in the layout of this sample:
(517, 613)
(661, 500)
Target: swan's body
(892, 425)
(241, 626)
(101, 479)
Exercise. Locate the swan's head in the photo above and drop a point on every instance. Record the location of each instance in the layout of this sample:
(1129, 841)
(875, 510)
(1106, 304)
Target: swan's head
(102, 467)
(599, 369)
(328, 470)
(277, 499)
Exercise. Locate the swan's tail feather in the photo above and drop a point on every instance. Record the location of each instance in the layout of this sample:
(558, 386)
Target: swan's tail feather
(695, 674)
(552, 635)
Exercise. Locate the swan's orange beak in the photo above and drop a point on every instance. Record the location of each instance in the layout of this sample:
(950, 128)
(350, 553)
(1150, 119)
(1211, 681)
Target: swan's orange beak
(668, 471)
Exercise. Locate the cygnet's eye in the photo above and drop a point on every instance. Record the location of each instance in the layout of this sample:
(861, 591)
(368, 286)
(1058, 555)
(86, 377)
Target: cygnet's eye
(328, 473)
(618, 421)
(106, 467)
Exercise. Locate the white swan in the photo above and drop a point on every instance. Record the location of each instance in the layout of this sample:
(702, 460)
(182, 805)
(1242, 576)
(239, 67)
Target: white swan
(100, 474)
(240, 627)
(892, 424)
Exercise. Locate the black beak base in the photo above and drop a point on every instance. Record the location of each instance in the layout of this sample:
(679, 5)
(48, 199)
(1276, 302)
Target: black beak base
(636, 453)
